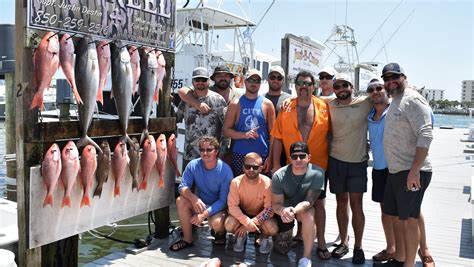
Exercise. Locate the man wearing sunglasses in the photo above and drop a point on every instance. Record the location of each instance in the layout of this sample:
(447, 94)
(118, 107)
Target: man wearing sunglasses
(295, 189)
(306, 119)
(276, 79)
(407, 137)
(250, 205)
(199, 124)
(248, 123)
(347, 169)
(325, 81)
(211, 177)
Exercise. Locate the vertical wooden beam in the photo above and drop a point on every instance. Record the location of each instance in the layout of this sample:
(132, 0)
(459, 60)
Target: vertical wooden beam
(10, 142)
(25, 117)
(285, 45)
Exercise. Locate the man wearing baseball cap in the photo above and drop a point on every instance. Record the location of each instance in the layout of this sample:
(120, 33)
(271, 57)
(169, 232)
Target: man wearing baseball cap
(276, 79)
(326, 76)
(407, 137)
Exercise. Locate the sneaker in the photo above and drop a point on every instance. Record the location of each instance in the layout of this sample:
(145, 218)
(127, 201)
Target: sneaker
(389, 263)
(264, 246)
(304, 262)
(358, 257)
(239, 245)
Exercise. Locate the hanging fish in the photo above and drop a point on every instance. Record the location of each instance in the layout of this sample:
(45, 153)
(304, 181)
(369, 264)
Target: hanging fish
(147, 82)
(119, 163)
(66, 60)
(50, 171)
(135, 61)
(173, 153)
(103, 167)
(147, 160)
(134, 155)
(160, 162)
(103, 52)
(161, 75)
(88, 168)
(70, 170)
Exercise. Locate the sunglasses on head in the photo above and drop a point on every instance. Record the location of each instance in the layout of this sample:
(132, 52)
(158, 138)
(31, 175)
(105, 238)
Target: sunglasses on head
(391, 77)
(253, 167)
(251, 80)
(303, 83)
(325, 77)
(208, 150)
(298, 156)
(200, 80)
(372, 89)
(277, 77)
(339, 86)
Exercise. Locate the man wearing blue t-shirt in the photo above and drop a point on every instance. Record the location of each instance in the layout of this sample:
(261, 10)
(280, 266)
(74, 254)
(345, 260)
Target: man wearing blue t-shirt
(211, 177)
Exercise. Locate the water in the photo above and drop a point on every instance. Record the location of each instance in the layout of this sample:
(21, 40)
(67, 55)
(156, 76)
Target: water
(91, 248)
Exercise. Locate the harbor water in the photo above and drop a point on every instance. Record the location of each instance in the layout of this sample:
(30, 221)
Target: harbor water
(92, 246)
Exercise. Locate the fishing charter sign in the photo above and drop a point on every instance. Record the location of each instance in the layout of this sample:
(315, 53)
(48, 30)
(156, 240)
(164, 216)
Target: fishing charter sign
(144, 22)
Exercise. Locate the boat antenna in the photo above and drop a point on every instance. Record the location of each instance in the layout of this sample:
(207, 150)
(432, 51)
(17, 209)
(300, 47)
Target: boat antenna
(393, 34)
(380, 26)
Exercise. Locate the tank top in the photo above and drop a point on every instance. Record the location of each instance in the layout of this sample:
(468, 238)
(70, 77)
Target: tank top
(251, 116)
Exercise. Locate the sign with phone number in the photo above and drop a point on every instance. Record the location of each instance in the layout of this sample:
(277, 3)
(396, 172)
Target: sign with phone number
(144, 22)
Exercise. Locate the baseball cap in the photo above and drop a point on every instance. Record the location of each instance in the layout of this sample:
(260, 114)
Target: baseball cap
(222, 69)
(341, 77)
(329, 70)
(375, 81)
(200, 72)
(300, 147)
(392, 68)
(277, 69)
(251, 72)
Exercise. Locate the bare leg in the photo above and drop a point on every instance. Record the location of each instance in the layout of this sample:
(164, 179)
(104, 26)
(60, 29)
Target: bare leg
(320, 219)
(399, 234)
(342, 214)
(425, 251)
(307, 220)
(185, 213)
(388, 230)
(412, 239)
(358, 217)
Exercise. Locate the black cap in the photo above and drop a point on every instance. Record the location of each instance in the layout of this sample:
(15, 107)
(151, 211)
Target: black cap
(222, 69)
(299, 147)
(392, 68)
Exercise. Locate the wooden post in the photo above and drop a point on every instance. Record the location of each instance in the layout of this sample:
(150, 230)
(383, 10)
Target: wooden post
(10, 142)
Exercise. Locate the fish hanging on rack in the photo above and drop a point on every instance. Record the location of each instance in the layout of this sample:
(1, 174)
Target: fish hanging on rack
(160, 162)
(103, 52)
(103, 167)
(147, 160)
(161, 75)
(119, 163)
(173, 153)
(88, 167)
(70, 170)
(50, 171)
(135, 61)
(46, 63)
(147, 86)
(134, 155)
(66, 61)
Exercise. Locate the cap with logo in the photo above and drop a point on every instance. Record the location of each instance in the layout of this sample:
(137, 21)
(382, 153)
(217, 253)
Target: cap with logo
(277, 69)
(341, 77)
(222, 69)
(393, 68)
(200, 72)
(329, 70)
(252, 72)
(299, 147)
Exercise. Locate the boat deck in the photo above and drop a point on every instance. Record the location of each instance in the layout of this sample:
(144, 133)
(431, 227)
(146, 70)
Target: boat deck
(446, 206)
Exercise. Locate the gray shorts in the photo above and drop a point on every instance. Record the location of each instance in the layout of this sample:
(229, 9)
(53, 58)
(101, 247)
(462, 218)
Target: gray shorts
(347, 176)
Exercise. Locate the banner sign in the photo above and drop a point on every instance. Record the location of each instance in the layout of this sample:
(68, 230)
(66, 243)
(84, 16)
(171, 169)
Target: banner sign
(144, 22)
(303, 56)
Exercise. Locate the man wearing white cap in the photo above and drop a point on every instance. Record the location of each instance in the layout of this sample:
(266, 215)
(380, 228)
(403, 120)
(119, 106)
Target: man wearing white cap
(347, 169)
(326, 75)
(199, 124)
(248, 123)
(276, 79)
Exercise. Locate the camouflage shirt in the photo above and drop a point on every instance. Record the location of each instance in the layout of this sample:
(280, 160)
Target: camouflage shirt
(198, 124)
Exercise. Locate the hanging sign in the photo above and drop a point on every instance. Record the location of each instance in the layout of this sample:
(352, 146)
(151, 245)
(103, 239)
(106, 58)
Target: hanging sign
(144, 22)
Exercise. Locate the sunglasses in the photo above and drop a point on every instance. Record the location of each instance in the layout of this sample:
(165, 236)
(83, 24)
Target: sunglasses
(303, 83)
(391, 77)
(257, 81)
(279, 78)
(208, 150)
(339, 86)
(200, 80)
(325, 77)
(253, 167)
(372, 89)
(298, 156)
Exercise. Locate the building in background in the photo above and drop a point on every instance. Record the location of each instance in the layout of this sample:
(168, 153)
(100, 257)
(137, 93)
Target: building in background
(467, 91)
(432, 94)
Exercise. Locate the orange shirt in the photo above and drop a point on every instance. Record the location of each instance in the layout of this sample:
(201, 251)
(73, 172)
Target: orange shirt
(249, 198)
(286, 129)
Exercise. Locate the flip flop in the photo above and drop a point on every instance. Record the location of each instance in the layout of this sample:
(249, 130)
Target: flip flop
(426, 260)
(383, 256)
(180, 244)
(340, 251)
(323, 254)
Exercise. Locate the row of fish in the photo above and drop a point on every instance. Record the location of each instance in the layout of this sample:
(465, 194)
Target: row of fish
(66, 166)
(86, 67)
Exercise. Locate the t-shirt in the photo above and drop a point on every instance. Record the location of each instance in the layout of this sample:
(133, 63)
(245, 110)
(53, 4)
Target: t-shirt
(408, 125)
(199, 124)
(248, 198)
(349, 129)
(212, 186)
(294, 188)
(376, 139)
(277, 100)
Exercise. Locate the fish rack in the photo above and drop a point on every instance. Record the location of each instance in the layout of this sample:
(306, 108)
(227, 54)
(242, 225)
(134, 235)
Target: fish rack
(33, 138)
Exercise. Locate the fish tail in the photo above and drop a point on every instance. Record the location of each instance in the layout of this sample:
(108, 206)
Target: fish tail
(85, 140)
(134, 184)
(66, 201)
(48, 200)
(37, 101)
(117, 191)
(128, 140)
(143, 185)
(100, 96)
(77, 96)
(161, 183)
(144, 135)
(86, 200)
(98, 190)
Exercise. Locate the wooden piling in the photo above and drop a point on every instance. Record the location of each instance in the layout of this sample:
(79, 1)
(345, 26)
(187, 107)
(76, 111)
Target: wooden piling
(10, 143)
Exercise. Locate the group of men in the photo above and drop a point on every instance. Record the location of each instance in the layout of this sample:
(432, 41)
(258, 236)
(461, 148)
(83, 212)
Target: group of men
(303, 143)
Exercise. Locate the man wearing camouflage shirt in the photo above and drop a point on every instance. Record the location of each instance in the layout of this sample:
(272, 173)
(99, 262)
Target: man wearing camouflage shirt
(199, 124)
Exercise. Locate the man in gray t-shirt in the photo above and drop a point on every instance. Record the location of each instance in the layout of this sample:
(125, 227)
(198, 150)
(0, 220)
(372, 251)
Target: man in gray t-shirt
(295, 189)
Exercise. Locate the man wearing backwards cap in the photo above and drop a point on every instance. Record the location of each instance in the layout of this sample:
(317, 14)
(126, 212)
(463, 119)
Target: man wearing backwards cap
(197, 123)
(347, 168)
(295, 189)
(326, 75)
(408, 121)
(248, 123)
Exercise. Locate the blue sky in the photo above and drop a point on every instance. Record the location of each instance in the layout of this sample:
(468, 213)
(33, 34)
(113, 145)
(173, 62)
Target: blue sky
(434, 45)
